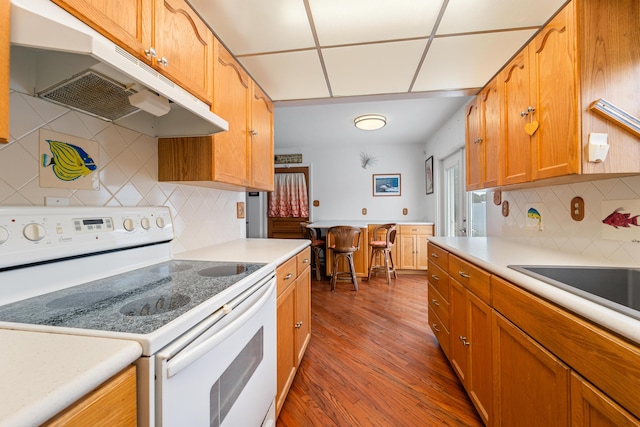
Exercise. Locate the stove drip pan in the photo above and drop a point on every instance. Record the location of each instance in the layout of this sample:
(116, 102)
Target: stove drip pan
(156, 305)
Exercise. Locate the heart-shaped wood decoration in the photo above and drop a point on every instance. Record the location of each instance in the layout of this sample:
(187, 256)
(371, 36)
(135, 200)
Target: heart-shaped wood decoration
(531, 127)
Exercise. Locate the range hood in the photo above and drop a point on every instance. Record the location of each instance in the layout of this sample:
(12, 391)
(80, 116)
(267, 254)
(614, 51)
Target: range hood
(57, 57)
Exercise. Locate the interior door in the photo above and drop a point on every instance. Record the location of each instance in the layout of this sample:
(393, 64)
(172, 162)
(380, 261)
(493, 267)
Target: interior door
(280, 227)
(454, 203)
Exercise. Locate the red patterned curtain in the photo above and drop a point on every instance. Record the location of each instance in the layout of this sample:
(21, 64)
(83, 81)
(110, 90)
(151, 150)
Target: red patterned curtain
(289, 198)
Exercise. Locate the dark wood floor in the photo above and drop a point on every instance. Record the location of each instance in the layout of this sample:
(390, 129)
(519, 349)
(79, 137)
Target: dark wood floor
(373, 361)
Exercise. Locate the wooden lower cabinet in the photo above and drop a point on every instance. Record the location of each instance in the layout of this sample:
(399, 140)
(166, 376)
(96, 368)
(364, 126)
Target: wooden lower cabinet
(591, 408)
(413, 249)
(524, 361)
(531, 384)
(112, 404)
(293, 320)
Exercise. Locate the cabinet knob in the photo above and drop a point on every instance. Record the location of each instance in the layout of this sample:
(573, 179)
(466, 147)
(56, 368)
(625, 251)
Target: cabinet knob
(253, 132)
(298, 325)
(463, 340)
(163, 61)
(151, 52)
(477, 140)
(288, 276)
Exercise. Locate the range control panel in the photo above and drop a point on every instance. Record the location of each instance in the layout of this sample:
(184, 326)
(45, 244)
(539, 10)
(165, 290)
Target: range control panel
(34, 234)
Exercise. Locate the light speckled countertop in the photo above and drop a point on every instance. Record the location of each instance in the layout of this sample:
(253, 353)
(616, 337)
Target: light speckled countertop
(42, 373)
(495, 254)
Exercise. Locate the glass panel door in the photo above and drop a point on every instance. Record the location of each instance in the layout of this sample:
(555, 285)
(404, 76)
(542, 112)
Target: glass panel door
(455, 217)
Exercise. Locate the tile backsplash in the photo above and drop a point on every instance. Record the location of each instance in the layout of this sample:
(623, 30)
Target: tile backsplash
(560, 231)
(128, 174)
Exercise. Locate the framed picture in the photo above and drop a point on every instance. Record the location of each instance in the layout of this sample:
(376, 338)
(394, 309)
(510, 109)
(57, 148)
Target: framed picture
(387, 185)
(428, 173)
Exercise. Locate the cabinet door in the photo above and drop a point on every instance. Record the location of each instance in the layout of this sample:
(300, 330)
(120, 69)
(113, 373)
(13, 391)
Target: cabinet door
(231, 101)
(479, 380)
(531, 385)
(4, 70)
(422, 255)
(475, 154)
(514, 96)
(591, 408)
(286, 354)
(491, 124)
(261, 140)
(303, 313)
(458, 323)
(186, 43)
(407, 252)
(555, 148)
(127, 23)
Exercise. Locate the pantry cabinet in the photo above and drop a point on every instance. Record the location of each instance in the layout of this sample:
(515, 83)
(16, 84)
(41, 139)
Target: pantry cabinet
(584, 54)
(113, 403)
(4, 70)
(293, 319)
(239, 159)
(166, 34)
(523, 360)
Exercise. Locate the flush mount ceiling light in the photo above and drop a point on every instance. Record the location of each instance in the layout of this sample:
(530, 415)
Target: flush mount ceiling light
(370, 121)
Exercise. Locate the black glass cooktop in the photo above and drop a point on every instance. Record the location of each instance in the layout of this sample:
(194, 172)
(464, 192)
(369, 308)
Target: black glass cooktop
(139, 301)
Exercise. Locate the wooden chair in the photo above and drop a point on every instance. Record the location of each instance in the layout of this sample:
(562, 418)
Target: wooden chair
(318, 252)
(383, 239)
(345, 241)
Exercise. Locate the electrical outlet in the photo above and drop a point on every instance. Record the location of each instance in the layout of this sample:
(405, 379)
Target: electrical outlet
(240, 210)
(364, 211)
(405, 211)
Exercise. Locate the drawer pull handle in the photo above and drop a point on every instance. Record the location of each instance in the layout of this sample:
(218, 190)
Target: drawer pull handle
(434, 277)
(435, 328)
(435, 255)
(463, 340)
(305, 261)
(288, 276)
(435, 302)
(463, 274)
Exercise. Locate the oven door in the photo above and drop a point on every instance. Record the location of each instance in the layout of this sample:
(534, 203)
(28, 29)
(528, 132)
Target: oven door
(227, 375)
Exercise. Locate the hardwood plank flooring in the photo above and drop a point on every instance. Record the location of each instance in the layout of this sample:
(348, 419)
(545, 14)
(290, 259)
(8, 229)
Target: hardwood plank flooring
(373, 361)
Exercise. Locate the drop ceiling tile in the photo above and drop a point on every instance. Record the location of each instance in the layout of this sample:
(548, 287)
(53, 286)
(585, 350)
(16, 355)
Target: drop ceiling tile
(467, 61)
(286, 76)
(463, 16)
(257, 26)
(373, 68)
(356, 21)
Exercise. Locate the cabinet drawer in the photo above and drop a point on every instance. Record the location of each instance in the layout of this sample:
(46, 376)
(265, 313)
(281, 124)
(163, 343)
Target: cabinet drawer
(473, 278)
(439, 279)
(286, 273)
(439, 256)
(416, 229)
(303, 260)
(440, 331)
(439, 305)
(608, 362)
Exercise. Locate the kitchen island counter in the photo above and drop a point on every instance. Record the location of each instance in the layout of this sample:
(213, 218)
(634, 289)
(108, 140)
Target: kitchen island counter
(361, 223)
(495, 254)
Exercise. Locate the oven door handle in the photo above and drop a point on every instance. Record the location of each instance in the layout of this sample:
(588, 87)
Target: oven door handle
(184, 359)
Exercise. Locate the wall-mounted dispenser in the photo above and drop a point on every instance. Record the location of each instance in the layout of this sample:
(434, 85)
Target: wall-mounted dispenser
(598, 147)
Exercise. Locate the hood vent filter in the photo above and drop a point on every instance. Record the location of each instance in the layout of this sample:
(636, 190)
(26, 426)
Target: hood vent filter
(94, 94)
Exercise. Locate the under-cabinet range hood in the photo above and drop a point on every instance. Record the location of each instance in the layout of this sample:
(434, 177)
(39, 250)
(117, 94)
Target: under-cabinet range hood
(57, 57)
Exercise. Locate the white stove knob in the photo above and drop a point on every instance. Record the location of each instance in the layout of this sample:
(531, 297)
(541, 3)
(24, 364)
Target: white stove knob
(145, 223)
(4, 235)
(160, 222)
(34, 232)
(128, 224)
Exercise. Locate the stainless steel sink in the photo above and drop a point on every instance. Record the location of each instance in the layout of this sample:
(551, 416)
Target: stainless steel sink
(613, 287)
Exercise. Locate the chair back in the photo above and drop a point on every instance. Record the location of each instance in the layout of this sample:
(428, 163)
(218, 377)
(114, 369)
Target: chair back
(390, 231)
(345, 238)
(312, 235)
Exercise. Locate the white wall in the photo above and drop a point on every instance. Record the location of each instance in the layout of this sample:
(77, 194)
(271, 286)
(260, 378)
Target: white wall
(128, 170)
(344, 188)
(560, 231)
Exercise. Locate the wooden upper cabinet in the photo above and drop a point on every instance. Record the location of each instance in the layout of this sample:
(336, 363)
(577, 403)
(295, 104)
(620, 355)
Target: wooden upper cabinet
(232, 98)
(125, 22)
(167, 34)
(261, 134)
(184, 47)
(4, 70)
(555, 148)
(514, 93)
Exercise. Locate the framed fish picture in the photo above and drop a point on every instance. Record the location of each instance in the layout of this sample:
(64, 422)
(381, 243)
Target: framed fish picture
(621, 220)
(67, 161)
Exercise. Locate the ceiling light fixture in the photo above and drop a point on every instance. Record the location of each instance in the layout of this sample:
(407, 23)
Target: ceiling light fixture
(370, 121)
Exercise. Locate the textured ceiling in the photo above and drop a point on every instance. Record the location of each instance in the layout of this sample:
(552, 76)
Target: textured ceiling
(316, 55)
